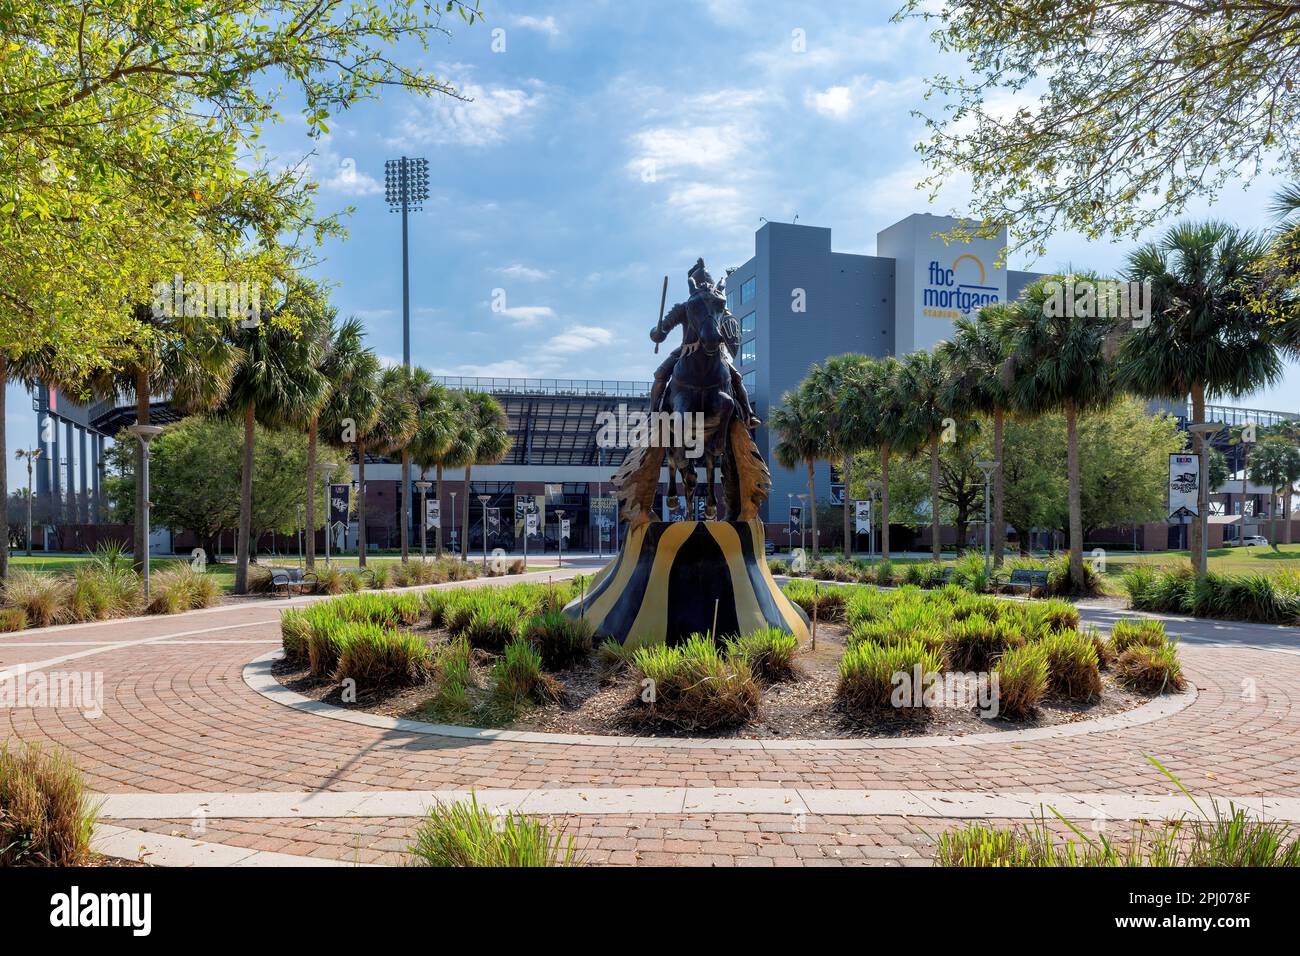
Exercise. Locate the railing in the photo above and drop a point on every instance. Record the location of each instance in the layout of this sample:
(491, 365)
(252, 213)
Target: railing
(1231, 415)
(548, 386)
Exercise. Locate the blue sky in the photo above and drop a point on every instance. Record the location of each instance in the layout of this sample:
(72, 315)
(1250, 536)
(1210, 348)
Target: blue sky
(611, 143)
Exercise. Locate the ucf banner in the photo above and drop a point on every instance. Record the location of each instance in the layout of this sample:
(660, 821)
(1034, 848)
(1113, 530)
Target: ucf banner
(796, 521)
(432, 513)
(339, 500)
(529, 505)
(1184, 485)
(862, 516)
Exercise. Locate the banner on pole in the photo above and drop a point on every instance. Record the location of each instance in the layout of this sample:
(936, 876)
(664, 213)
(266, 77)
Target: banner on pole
(862, 516)
(796, 520)
(564, 527)
(339, 505)
(1184, 486)
(530, 522)
(837, 493)
(526, 505)
(493, 521)
(432, 513)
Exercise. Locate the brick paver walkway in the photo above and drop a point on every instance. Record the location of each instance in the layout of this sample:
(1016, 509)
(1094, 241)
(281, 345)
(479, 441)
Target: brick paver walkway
(178, 717)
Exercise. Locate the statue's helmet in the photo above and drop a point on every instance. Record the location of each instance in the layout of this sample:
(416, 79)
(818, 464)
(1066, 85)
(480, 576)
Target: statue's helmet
(700, 275)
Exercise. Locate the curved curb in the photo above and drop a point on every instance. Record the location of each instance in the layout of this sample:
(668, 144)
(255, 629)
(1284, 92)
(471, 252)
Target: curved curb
(257, 675)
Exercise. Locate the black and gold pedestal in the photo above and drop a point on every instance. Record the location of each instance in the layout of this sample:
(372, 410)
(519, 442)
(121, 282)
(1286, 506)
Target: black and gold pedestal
(667, 576)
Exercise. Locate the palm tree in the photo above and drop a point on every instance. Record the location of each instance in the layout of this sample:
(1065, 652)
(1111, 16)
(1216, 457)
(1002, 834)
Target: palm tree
(417, 384)
(1287, 432)
(458, 453)
(1059, 363)
(1203, 338)
(922, 384)
(1276, 463)
(389, 423)
(801, 440)
(839, 389)
(976, 355)
(345, 360)
(889, 432)
(188, 358)
(437, 411)
(485, 420)
(29, 368)
(278, 383)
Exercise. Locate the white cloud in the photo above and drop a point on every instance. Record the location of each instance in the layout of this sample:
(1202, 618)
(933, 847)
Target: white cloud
(347, 180)
(485, 118)
(545, 25)
(882, 97)
(520, 271)
(368, 314)
(662, 152)
(527, 316)
(577, 338)
(708, 204)
(507, 368)
(835, 101)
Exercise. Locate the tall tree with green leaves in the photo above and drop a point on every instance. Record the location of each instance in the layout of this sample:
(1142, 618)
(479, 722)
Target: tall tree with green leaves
(1275, 462)
(1059, 362)
(485, 419)
(278, 383)
(438, 414)
(801, 440)
(923, 388)
(890, 429)
(1202, 339)
(418, 384)
(839, 389)
(389, 423)
(1162, 102)
(976, 356)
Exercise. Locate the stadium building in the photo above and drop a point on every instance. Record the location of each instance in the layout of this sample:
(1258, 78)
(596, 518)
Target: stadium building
(798, 302)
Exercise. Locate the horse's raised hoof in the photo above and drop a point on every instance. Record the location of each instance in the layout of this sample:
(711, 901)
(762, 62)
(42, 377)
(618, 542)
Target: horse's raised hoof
(672, 503)
(711, 512)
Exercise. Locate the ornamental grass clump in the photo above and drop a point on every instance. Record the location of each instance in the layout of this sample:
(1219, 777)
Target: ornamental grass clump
(39, 596)
(1142, 632)
(492, 627)
(465, 834)
(295, 629)
(769, 652)
(376, 656)
(692, 686)
(827, 602)
(561, 640)
(1022, 674)
(517, 676)
(1151, 670)
(47, 816)
(1073, 670)
(871, 672)
(975, 642)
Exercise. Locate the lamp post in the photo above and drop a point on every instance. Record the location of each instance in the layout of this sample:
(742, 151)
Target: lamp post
(145, 434)
(803, 521)
(483, 500)
(423, 487)
(559, 538)
(453, 523)
(988, 467)
(324, 469)
(1204, 430)
(31, 454)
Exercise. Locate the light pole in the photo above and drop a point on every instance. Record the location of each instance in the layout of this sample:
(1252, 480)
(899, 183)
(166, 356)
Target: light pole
(423, 487)
(1204, 430)
(988, 467)
(803, 522)
(406, 188)
(559, 538)
(145, 434)
(453, 524)
(873, 488)
(325, 469)
(31, 454)
(483, 500)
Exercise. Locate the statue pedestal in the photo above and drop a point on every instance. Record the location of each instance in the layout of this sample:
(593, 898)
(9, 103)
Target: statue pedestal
(664, 583)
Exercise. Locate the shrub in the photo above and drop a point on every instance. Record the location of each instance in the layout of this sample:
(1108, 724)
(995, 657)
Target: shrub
(561, 640)
(353, 581)
(492, 628)
(517, 673)
(330, 579)
(914, 574)
(295, 629)
(885, 575)
(778, 566)
(1151, 669)
(1058, 615)
(39, 596)
(377, 656)
(379, 576)
(1138, 581)
(974, 643)
(1143, 632)
(612, 655)
(12, 619)
(329, 633)
(868, 604)
(1022, 674)
(46, 817)
(1073, 670)
(693, 687)
(811, 596)
(1058, 577)
(869, 673)
(465, 834)
(769, 652)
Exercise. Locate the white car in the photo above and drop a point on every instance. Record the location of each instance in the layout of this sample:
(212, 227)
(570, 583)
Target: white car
(1255, 541)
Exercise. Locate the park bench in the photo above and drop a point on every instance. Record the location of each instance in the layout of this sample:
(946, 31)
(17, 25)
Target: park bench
(292, 579)
(1028, 578)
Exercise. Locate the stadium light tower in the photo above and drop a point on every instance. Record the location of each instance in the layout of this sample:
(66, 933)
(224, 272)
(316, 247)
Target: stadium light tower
(406, 187)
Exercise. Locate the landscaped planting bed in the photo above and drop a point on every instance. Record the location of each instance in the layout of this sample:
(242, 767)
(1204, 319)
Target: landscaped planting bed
(904, 662)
